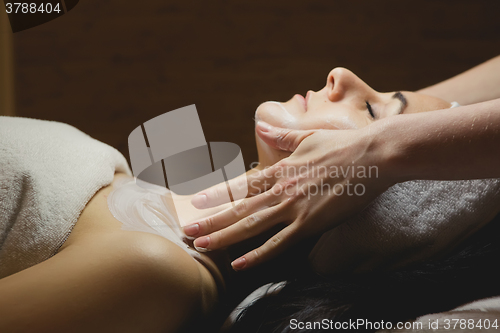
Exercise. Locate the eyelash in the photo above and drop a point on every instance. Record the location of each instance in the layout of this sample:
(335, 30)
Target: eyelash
(370, 110)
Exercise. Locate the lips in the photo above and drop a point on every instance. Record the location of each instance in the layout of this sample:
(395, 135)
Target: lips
(301, 100)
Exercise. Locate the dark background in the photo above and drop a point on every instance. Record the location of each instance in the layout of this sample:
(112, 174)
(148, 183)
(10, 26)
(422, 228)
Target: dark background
(109, 65)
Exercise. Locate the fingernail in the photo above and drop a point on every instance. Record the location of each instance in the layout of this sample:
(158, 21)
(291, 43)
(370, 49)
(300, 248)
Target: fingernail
(199, 200)
(202, 242)
(201, 249)
(192, 229)
(239, 263)
(263, 126)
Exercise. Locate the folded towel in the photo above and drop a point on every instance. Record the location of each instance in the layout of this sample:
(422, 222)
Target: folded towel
(411, 221)
(48, 173)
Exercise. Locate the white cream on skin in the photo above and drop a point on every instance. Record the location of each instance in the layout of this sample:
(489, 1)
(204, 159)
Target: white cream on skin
(146, 210)
(287, 120)
(346, 122)
(279, 104)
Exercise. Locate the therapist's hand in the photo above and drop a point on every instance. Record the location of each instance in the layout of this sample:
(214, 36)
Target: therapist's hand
(324, 181)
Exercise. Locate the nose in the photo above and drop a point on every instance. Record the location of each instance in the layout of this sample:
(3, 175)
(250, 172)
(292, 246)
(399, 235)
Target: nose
(342, 83)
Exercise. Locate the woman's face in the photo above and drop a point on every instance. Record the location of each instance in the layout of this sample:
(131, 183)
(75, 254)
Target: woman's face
(345, 102)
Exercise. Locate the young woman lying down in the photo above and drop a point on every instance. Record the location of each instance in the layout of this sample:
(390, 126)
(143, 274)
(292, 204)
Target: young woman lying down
(67, 263)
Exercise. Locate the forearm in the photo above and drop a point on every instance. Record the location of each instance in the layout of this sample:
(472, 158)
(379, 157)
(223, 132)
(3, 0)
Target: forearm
(458, 143)
(478, 84)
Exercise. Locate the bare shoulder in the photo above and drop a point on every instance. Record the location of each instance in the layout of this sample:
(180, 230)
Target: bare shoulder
(97, 230)
(104, 279)
(149, 263)
(125, 283)
(146, 256)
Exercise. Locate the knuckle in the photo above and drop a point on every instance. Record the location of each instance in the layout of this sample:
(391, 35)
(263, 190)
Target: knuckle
(250, 221)
(256, 255)
(280, 138)
(255, 186)
(214, 193)
(209, 223)
(295, 180)
(275, 241)
(287, 203)
(292, 199)
(301, 193)
(240, 208)
(288, 182)
(239, 183)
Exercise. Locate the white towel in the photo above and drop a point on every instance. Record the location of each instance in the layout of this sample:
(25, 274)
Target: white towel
(48, 173)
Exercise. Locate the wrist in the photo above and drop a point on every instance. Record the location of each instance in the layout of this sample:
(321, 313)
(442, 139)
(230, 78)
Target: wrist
(388, 147)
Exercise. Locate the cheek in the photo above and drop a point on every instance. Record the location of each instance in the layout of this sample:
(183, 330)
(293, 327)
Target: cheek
(331, 122)
(275, 114)
(333, 119)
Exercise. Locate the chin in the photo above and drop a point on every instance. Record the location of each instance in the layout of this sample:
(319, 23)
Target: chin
(275, 114)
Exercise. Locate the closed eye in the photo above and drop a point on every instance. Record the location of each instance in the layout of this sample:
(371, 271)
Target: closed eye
(370, 110)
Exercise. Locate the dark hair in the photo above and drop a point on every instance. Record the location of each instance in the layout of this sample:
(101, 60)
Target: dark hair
(467, 274)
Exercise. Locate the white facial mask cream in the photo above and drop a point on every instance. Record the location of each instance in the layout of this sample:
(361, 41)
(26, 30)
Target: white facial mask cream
(146, 209)
(279, 104)
(287, 119)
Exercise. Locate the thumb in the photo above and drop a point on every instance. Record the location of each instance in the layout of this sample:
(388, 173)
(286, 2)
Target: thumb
(281, 138)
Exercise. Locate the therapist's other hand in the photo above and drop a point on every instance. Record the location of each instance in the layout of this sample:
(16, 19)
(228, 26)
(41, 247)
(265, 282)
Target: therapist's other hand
(324, 181)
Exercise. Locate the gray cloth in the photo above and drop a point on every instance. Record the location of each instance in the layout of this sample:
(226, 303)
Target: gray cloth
(48, 173)
(409, 222)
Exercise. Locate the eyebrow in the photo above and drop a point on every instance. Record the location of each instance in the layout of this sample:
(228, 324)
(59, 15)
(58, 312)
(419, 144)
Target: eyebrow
(402, 99)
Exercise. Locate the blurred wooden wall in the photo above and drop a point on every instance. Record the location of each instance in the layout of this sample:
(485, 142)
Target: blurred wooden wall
(109, 65)
(6, 67)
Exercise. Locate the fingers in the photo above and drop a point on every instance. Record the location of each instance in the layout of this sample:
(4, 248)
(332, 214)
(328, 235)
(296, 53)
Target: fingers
(281, 138)
(230, 216)
(254, 183)
(248, 227)
(270, 249)
(217, 194)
